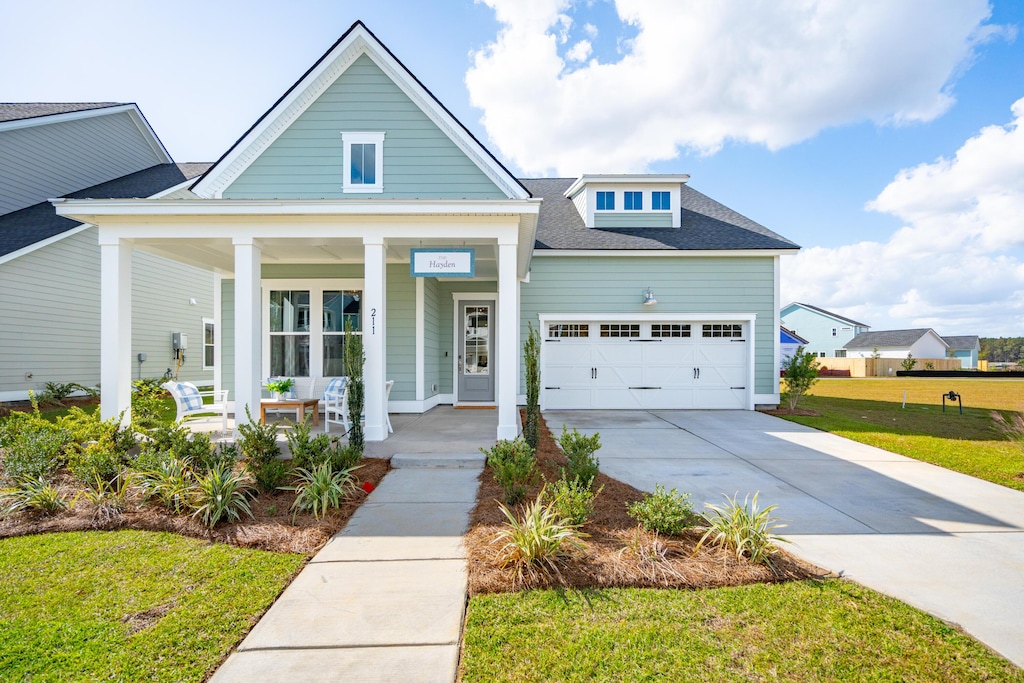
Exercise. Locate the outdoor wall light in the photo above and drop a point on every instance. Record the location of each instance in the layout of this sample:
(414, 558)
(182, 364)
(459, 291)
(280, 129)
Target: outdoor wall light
(649, 299)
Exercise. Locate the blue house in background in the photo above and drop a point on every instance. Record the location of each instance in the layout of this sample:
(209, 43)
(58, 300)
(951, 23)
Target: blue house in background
(966, 348)
(826, 332)
(789, 342)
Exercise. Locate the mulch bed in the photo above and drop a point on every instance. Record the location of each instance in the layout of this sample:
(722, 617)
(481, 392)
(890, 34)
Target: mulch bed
(618, 552)
(801, 412)
(271, 528)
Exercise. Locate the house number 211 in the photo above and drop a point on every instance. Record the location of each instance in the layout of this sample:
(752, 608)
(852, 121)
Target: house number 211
(373, 321)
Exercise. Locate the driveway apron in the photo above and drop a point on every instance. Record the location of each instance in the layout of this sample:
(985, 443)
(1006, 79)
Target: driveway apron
(945, 542)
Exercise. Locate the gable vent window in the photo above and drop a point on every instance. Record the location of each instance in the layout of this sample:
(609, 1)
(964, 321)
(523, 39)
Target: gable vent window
(363, 162)
(659, 201)
(605, 201)
(634, 201)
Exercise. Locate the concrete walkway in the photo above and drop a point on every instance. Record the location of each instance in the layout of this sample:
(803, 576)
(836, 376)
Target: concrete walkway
(947, 543)
(385, 598)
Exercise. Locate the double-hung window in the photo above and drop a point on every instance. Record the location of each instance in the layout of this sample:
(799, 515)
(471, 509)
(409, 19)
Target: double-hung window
(363, 162)
(660, 201)
(633, 201)
(306, 324)
(209, 343)
(605, 201)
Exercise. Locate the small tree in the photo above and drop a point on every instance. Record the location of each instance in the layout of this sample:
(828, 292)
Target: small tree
(875, 355)
(908, 363)
(531, 358)
(354, 359)
(801, 374)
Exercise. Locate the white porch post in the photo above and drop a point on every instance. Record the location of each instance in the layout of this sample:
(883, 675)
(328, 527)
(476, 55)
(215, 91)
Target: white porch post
(115, 327)
(508, 340)
(248, 330)
(374, 345)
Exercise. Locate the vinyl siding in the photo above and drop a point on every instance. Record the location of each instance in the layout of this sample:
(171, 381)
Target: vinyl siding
(51, 314)
(817, 330)
(633, 219)
(306, 160)
(52, 160)
(446, 321)
(433, 355)
(682, 285)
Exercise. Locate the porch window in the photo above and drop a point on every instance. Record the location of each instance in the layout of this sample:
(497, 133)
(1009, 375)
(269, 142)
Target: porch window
(289, 333)
(341, 309)
(208, 344)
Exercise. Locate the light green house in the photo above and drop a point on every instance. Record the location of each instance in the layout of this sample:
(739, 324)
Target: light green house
(358, 198)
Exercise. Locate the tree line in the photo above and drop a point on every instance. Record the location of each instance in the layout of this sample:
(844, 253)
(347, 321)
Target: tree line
(1002, 349)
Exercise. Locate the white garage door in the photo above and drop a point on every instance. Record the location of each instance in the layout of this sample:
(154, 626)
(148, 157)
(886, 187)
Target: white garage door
(641, 365)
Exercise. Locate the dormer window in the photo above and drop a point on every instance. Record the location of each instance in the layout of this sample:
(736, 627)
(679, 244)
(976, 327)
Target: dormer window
(605, 201)
(634, 201)
(660, 201)
(363, 162)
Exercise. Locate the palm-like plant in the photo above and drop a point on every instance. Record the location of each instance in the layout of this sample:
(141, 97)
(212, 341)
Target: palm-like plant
(537, 541)
(221, 494)
(321, 488)
(32, 494)
(746, 530)
(172, 482)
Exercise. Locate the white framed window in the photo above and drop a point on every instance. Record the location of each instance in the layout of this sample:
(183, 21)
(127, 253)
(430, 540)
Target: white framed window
(363, 162)
(718, 330)
(620, 330)
(835, 332)
(634, 201)
(605, 201)
(840, 353)
(568, 330)
(209, 345)
(660, 201)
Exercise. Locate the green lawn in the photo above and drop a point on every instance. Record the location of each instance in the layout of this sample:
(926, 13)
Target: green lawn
(129, 605)
(803, 631)
(871, 411)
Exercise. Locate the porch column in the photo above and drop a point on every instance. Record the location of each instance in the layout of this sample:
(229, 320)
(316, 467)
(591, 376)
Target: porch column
(374, 345)
(248, 330)
(115, 328)
(508, 340)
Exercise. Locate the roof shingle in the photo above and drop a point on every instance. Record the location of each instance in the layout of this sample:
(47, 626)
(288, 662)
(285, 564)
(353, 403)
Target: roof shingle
(16, 111)
(883, 338)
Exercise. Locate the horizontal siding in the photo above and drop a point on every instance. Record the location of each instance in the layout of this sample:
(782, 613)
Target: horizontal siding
(817, 330)
(446, 323)
(634, 219)
(401, 332)
(306, 161)
(681, 285)
(51, 312)
(433, 356)
(45, 161)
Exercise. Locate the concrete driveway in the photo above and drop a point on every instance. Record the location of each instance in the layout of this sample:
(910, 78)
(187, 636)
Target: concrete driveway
(947, 543)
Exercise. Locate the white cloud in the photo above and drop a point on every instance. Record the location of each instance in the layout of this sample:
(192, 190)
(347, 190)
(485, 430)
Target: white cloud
(955, 264)
(590, 30)
(580, 51)
(697, 74)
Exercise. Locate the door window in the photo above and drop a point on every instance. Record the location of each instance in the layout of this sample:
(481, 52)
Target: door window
(476, 354)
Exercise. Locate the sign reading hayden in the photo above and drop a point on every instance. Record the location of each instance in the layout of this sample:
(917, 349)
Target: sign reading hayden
(442, 262)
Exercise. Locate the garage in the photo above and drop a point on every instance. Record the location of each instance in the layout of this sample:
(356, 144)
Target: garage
(645, 364)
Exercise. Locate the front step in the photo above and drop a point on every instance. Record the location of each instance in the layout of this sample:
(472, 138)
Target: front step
(452, 461)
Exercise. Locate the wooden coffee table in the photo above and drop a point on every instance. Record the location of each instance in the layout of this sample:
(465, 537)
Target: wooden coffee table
(300, 405)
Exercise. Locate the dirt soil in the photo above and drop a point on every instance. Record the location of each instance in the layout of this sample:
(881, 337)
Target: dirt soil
(618, 552)
(780, 411)
(271, 527)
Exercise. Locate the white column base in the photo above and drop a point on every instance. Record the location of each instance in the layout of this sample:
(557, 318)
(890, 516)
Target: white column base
(374, 346)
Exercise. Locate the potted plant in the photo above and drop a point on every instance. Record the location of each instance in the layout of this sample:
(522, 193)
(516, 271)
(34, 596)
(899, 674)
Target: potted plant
(278, 387)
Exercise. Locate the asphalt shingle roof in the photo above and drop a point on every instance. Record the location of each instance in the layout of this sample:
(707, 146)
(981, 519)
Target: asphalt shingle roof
(882, 338)
(16, 111)
(962, 343)
(38, 222)
(706, 224)
(828, 313)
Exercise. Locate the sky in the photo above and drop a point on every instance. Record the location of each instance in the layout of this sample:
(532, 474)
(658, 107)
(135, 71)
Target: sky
(883, 136)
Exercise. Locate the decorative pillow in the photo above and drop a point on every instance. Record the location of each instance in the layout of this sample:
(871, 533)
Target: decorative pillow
(335, 388)
(189, 396)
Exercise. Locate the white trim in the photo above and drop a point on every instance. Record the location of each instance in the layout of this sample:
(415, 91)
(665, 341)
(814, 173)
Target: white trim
(17, 395)
(776, 342)
(421, 334)
(767, 400)
(209, 321)
(174, 188)
(363, 138)
(357, 42)
(823, 313)
(625, 179)
(218, 336)
(135, 114)
(591, 253)
(457, 299)
(43, 243)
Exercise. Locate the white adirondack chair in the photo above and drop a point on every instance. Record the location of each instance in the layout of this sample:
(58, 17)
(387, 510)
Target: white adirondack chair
(189, 401)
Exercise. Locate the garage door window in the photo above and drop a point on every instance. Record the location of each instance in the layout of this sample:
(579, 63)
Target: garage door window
(620, 330)
(570, 330)
(717, 330)
(660, 330)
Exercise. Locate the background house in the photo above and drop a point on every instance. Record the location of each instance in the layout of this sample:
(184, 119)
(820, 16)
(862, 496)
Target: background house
(50, 265)
(826, 333)
(920, 343)
(789, 342)
(966, 348)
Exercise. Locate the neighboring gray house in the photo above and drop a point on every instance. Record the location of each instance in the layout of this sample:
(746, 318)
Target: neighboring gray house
(826, 332)
(359, 198)
(920, 343)
(966, 348)
(50, 265)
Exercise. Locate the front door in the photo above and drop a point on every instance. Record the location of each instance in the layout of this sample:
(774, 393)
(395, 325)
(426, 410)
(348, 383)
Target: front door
(475, 351)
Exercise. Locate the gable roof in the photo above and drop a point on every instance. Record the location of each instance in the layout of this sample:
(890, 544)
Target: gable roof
(39, 222)
(830, 314)
(706, 225)
(962, 343)
(883, 338)
(356, 41)
(17, 111)
(793, 337)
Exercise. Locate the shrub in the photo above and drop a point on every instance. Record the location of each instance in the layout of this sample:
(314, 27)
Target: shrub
(32, 494)
(269, 475)
(221, 494)
(744, 529)
(172, 482)
(18, 422)
(354, 361)
(147, 402)
(666, 512)
(579, 449)
(531, 361)
(537, 541)
(258, 442)
(514, 467)
(97, 459)
(572, 500)
(801, 374)
(84, 427)
(35, 452)
(345, 457)
(321, 489)
(56, 393)
(307, 451)
(908, 363)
